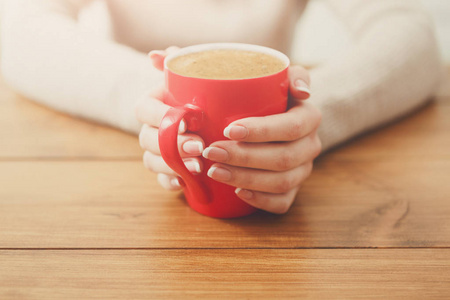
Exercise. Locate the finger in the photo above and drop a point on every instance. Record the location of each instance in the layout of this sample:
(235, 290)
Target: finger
(156, 163)
(299, 82)
(150, 109)
(274, 203)
(188, 144)
(169, 182)
(157, 56)
(260, 180)
(296, 123)
(267, 156)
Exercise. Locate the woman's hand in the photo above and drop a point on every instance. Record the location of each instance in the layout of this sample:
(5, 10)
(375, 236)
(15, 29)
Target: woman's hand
(150, 110)
(267, 158)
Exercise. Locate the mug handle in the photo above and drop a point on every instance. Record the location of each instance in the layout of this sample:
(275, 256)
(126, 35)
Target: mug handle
(168, 145)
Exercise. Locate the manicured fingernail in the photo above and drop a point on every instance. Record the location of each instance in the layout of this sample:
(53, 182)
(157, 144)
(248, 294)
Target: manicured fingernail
(302, 86)
(244, 194)
(182, 128)
(218, 173)
(193, 147)
(235, 132)
(216, 154)
(175, 182)
(192, 165)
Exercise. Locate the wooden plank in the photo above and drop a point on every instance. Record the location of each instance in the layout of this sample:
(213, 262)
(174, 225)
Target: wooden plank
(28, 130)
(119, 204)
(226, 274)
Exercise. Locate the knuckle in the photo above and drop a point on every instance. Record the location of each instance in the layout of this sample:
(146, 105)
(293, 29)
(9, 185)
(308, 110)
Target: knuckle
(283, 185)
(295, 130)
(242, 180)
(283, 207)
(261, 131)
(242, 158)
(284, 161)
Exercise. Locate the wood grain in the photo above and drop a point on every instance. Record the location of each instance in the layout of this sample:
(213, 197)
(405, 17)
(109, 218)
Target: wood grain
(226, 274)
(116, 204)
(31, 131)
(80, 218)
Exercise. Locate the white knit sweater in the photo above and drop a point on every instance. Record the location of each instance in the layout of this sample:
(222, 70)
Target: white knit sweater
(392, 67)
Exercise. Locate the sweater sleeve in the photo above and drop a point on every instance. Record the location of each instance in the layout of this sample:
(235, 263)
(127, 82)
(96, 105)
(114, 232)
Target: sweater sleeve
(48, 58)
(392, 67)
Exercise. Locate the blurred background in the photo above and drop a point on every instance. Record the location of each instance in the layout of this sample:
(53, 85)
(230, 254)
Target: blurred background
(319, 35)
(318, 29)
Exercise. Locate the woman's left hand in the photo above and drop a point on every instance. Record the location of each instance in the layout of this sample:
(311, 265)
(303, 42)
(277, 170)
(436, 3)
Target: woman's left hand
(267, 158)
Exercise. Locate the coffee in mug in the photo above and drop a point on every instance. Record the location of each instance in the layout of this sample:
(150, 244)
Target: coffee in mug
(226, 64)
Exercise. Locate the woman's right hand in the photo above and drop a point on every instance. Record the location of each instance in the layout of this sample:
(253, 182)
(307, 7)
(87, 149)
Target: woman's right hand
(150, 110)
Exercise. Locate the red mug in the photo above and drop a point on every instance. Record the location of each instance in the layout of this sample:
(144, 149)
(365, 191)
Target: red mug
(208, 106)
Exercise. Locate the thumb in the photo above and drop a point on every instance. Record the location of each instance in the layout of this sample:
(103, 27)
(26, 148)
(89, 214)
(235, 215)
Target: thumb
(299, 82)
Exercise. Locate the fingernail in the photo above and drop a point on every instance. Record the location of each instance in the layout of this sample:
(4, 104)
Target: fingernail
(175, 182)
(244, 194)
(235, 132)
(220, 174)
(192, 165)
(216, 154)
(193, 147)
(182, 128)
(302, 86)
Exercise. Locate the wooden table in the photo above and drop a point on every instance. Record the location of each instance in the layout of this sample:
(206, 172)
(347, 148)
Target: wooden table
(80, 218)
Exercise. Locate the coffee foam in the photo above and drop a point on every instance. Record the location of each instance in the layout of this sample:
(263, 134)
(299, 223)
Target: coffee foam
(226, 61)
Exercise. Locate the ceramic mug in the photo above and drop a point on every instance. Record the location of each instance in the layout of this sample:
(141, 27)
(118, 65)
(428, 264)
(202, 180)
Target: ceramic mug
(208, 106)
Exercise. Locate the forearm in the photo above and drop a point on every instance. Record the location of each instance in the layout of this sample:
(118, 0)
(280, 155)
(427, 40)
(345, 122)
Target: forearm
(392, 68)
(46, 57)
